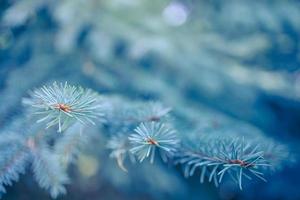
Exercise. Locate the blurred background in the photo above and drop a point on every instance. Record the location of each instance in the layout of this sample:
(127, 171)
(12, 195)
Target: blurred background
(234, 63)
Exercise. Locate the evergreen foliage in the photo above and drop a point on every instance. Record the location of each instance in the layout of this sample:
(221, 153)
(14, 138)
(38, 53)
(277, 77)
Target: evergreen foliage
(181, 92)
(13, 161)
(214, 156)
(150, 136)
(62, 104)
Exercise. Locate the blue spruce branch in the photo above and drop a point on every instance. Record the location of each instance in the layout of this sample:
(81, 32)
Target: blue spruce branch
(137, 130)
(238, 158)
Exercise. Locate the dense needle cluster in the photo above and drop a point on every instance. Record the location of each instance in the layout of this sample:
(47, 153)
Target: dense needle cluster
(63, 104)
(151, 136)
(217, 156)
